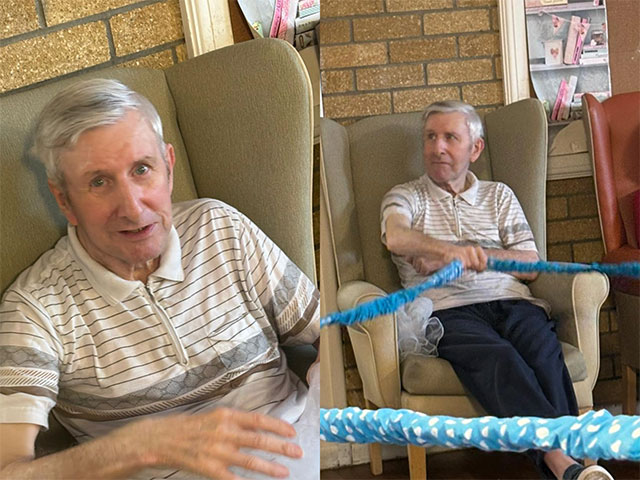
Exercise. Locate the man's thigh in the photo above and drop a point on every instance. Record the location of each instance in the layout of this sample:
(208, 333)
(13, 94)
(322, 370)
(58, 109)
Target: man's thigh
(469, 335)
(528, 328)
(469, 324)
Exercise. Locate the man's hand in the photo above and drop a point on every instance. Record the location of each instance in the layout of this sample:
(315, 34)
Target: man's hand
(210, 443)
(472, 257)
(428, 254)
(207, 444)
(425, 265)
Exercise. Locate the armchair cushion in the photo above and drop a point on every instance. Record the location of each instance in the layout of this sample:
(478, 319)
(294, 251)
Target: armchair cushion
(423, 375)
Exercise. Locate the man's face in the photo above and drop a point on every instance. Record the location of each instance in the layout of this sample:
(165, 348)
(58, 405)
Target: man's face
(118, 195)
(448, 150)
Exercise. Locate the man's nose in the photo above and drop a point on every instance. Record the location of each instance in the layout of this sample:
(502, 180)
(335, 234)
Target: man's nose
(440, 145)
(129, 201)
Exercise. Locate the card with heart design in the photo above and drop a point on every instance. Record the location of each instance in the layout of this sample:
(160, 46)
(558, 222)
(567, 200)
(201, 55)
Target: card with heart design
(553, 52)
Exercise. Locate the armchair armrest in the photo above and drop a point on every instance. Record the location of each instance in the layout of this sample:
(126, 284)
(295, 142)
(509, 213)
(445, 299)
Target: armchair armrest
(575, 306)
(375, 345)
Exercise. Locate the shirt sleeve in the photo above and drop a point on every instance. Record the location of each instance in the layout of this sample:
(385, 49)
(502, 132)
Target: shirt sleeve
(514, 230)
(29, 361)
(398, 200)
(289, 298)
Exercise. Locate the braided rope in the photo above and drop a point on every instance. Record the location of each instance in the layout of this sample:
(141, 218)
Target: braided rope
(393, 301)
(626, 269)
(592, 435)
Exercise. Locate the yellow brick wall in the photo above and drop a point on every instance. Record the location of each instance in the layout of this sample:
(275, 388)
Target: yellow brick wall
(42, 40)
(393, 56)
(573, 235)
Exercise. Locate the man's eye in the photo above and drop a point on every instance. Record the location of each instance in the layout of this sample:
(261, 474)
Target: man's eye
(97, 182)
(142, 169)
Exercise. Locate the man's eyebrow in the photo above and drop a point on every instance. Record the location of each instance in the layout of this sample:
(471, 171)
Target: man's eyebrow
(94, 173)
(98, 172)
(448, 132)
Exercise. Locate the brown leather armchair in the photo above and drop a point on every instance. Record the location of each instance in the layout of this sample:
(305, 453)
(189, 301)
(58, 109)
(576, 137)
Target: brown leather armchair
(613, 132)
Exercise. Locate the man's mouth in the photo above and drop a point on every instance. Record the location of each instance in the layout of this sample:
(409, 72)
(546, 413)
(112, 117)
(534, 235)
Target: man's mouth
(136, 230)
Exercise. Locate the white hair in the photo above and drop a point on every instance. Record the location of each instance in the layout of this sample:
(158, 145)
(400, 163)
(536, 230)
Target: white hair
(80, 107)
(476, 131)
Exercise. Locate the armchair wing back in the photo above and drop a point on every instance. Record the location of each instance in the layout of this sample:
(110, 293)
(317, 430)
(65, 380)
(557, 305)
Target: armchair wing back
(613, 129)
(240, 136)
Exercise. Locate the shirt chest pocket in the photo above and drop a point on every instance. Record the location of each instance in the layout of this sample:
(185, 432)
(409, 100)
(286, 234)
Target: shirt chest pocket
(236, 335)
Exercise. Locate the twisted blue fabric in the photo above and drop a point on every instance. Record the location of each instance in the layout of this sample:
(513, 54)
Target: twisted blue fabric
(393, 301)
(390, 303)
(592, 435)
(627, 269)
(595, 434)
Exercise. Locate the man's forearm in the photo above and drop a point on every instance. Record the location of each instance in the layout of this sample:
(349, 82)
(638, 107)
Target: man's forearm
(104, 458)
(411, 243)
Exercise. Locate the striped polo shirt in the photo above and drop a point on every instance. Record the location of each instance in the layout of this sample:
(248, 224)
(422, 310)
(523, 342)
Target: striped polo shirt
(487, 214)
(207, 324)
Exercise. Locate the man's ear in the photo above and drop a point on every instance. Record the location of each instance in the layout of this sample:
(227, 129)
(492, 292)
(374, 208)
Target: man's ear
(170, 156)
(477, 149)
(63, 202)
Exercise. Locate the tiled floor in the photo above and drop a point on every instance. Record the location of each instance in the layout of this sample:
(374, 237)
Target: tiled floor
(471, 464)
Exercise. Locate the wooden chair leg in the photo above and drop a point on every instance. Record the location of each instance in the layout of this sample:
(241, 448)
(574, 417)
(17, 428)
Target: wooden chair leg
(417, 462)
(629, 385)
(375, 458)
(375, 449)
(587, 461)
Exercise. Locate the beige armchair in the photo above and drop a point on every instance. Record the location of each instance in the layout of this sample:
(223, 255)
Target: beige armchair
(240, 120)
(361, 163)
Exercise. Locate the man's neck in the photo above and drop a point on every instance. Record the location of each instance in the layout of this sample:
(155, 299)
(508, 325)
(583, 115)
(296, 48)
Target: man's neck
(456, 187)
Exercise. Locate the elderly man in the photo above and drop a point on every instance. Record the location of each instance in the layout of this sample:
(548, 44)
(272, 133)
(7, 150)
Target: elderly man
(498, 338)
(153, 328)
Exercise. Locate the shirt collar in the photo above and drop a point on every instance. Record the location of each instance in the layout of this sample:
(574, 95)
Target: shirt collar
(116, 289)
(438, 193)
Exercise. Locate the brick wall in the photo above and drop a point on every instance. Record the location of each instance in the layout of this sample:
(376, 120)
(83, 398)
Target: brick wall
(573, 235)
(41, 40)
(393, 56)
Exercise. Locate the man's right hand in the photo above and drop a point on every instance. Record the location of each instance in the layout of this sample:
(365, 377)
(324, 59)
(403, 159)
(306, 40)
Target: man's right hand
(471, 256)
(427, 254)
(210, 443)
(207, 443)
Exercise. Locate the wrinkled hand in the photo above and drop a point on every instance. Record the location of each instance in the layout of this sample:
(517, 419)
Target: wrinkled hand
(210, 443)
(426, 266)
(472, 257)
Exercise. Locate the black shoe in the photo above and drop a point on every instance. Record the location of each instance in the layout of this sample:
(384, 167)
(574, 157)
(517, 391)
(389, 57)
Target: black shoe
(592, 472)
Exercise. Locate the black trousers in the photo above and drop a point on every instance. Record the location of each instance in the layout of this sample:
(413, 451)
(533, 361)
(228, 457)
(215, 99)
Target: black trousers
(507, 354)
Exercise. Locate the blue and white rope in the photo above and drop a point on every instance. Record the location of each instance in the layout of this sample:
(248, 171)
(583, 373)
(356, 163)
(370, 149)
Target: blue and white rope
(595, 434)
(592, 435)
